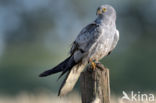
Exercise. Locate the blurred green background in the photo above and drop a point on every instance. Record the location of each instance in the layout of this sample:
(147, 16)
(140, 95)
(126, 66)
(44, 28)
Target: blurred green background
(35, 35)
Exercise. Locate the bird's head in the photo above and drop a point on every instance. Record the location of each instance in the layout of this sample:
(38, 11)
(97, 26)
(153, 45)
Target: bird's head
(106, 10)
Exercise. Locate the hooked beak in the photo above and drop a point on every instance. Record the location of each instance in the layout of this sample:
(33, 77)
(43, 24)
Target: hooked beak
(101, 11)
(98, 12)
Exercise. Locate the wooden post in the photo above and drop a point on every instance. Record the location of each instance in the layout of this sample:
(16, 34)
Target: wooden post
(94, 85)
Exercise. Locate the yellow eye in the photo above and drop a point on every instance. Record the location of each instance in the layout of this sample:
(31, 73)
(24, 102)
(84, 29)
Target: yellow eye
(104, 9)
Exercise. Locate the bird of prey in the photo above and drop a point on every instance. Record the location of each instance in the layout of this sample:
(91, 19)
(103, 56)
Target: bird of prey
(94, 42)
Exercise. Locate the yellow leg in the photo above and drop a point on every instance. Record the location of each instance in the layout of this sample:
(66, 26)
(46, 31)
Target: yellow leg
(93, 65)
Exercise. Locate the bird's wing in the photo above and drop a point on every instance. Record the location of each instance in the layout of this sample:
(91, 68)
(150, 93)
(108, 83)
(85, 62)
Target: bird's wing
(84, 41)
(116, 39)
(86, 38)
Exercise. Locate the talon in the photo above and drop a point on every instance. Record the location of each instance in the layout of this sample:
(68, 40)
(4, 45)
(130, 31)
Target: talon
(93, 65)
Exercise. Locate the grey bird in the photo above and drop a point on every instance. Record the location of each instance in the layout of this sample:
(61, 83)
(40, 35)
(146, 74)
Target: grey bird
(94, 42)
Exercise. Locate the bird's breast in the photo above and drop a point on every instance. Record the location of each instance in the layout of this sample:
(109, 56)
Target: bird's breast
(103, 45)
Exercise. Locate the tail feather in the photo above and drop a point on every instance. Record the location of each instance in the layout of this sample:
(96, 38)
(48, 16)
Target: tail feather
(71, 78)
(73, 70)
(68, 67)
(60, 67)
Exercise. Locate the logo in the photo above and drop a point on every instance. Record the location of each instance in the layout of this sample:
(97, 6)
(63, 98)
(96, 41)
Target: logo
(138, 97)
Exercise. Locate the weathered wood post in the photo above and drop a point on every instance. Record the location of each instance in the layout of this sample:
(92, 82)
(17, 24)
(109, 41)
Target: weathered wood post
(94, 85)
